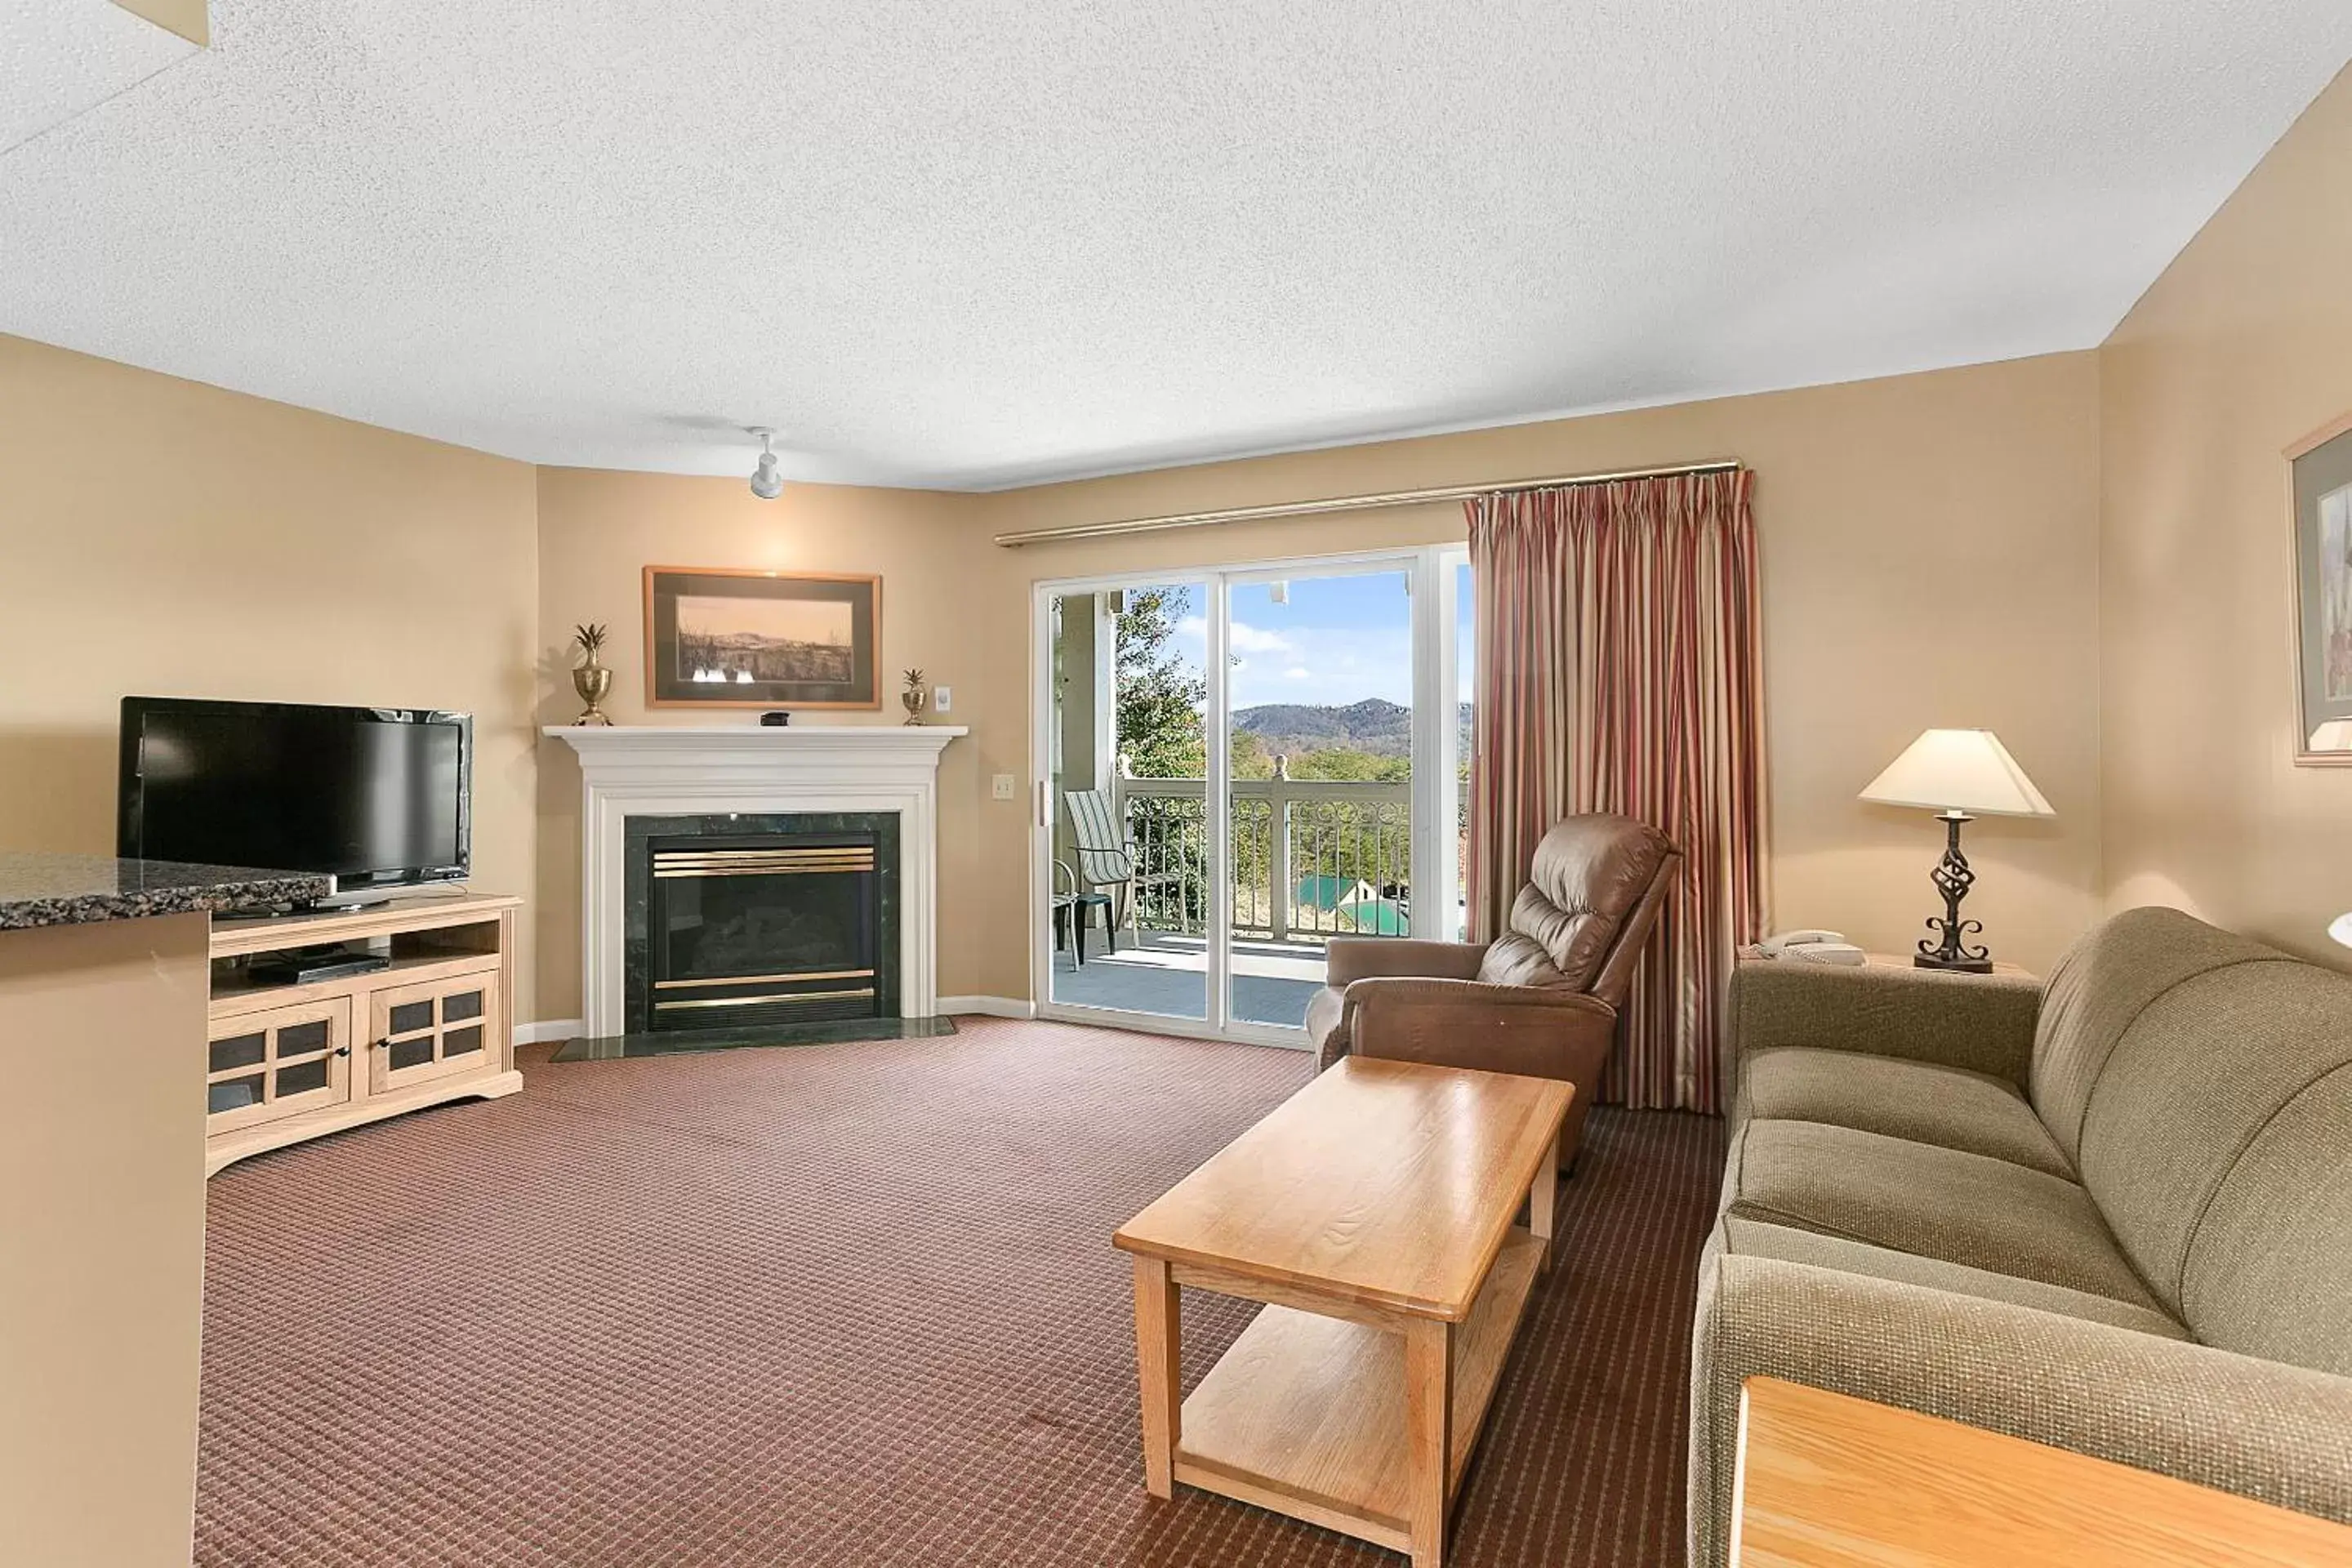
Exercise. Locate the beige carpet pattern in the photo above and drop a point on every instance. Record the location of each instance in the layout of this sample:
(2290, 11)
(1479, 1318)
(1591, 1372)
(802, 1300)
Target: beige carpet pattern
(849, 1304)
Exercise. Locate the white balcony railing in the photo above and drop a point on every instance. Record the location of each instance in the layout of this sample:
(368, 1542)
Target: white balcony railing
(1311, 858)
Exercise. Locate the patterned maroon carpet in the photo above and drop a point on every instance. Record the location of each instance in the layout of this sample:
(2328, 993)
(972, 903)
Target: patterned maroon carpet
(846, 1304)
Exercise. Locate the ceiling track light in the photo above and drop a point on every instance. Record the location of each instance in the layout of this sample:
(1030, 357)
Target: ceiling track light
(767, 483)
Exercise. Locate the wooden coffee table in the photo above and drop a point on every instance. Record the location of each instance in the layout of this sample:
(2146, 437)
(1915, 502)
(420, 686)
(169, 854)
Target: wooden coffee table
(1373, 1212)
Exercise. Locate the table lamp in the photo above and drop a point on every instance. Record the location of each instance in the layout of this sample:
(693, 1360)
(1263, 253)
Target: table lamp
(1956, 774)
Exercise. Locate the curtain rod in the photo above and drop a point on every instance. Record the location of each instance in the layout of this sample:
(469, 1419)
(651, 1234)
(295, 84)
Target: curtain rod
(1344, 503)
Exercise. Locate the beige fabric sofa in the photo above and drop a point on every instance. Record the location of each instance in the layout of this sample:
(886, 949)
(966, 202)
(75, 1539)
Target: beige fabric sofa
(2113, 1213)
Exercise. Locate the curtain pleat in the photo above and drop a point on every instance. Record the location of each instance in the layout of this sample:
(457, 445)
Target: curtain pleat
(1621, 669)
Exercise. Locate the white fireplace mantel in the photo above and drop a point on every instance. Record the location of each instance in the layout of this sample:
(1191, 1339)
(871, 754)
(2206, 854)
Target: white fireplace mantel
(676, 769)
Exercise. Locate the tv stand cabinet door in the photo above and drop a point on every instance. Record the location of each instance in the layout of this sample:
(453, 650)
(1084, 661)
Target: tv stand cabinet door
(278, 1062)
(435, 1029)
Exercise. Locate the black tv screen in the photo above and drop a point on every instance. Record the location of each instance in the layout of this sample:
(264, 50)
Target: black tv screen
(372, 797)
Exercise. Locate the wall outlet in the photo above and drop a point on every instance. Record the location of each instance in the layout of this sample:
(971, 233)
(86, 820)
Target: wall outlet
(942, 699)
(1001, 787)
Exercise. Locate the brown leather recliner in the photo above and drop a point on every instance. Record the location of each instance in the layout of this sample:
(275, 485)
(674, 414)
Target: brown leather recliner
(1541, 999)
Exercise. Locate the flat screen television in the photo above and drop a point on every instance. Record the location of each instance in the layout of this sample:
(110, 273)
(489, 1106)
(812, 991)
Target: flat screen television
(374, 798)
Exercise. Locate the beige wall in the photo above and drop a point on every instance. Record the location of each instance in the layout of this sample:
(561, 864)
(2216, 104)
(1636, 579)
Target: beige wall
(163, 537)
(599, 531)
(1929, 558)
(1929, 551)
(2243, 346)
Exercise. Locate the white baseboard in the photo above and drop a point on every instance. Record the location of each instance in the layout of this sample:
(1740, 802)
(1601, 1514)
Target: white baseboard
(550, 1029)
(991, 1006)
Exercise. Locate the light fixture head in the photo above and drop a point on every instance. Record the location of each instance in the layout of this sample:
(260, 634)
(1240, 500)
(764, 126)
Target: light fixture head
(1958, 769)
(766, 482)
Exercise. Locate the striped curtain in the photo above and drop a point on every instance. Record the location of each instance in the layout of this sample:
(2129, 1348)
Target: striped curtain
(1620, 668)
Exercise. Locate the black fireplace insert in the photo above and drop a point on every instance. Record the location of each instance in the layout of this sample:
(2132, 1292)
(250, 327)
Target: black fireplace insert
(757, 921)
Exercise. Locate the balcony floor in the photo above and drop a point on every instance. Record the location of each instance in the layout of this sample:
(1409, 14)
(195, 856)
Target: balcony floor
(1170, 975)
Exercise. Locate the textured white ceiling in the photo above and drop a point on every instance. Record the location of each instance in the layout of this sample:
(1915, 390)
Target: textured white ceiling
(982, 243)
(59, 57)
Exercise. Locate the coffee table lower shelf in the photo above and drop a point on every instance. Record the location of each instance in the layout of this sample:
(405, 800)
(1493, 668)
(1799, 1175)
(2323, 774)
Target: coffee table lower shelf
(1305, 1414)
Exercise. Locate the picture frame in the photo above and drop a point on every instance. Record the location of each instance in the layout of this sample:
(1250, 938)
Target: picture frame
(724, 636)
(2322, 469)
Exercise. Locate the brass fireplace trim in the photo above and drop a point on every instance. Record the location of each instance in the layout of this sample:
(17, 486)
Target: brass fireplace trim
(846, 852)
(763, 980)
(864, 992)
(672, 864)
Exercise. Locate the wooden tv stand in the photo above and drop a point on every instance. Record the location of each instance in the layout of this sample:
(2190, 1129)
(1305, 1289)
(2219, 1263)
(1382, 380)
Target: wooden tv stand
(284, 1063)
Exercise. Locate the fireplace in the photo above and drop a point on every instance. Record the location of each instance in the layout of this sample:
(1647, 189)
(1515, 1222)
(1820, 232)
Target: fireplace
(637, 781)
(752, 920)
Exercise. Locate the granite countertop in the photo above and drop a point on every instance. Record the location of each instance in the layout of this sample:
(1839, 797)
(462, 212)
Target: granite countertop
(39, 890)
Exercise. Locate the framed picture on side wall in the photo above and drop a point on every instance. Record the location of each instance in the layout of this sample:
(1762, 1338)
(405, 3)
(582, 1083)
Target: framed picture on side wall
(2323, 577)
(722, 637)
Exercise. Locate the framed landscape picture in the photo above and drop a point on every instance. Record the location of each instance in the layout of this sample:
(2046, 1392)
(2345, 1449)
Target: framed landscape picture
(718, 638)
(2323, 572)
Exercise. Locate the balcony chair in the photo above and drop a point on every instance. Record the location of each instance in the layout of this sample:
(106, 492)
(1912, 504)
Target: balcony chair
(1541, 999)
(1107, 859)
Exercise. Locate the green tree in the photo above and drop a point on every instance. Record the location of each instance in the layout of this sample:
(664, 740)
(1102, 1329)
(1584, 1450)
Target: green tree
(1345, 763)
(1160, 698)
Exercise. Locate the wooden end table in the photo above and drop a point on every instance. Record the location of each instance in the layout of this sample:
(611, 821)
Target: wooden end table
(1372, 1211)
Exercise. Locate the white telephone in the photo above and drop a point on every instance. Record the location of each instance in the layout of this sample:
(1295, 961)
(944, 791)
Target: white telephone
(1814, 947)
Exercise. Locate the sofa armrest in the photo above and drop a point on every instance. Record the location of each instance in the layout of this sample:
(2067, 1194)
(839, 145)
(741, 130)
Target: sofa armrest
(1349, 958)
(1531, 1029)
(2263, 1429)
(1981, 1022)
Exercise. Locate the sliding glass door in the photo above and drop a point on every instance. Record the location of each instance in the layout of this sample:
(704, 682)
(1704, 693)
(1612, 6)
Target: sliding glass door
(1128, 798)
(1319, 743)
(1239, 766)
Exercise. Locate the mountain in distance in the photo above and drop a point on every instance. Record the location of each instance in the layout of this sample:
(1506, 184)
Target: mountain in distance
(1375, 725)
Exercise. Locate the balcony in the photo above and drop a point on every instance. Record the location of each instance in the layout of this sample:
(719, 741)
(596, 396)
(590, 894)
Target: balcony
(1312, 860)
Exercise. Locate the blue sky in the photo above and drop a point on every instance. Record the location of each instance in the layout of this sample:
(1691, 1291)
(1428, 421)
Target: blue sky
(1339, 640)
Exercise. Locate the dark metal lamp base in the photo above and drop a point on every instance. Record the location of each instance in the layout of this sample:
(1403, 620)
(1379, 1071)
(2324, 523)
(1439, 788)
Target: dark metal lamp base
(1952, 879)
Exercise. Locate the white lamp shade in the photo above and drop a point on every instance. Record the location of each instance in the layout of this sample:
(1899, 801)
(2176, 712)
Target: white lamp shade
(1958, 769)
(2342, 929)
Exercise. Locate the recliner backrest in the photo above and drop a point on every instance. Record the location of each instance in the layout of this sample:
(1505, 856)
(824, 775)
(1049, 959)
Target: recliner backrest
(1592, 894)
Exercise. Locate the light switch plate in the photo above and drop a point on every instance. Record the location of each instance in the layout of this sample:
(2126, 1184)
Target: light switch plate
(942, 699)
(1001, 787)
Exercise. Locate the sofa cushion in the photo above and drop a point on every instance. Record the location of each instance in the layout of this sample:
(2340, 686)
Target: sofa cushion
(2189, 1089)
(1587, 876)
(2103, 983)
(1948, 1106)
(1945, 1204)
(1756, 1238)
(2270, 1269)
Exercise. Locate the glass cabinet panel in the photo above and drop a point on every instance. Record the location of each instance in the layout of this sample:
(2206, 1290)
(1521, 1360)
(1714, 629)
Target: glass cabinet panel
(239, 1051)
(279, 1061)
(432, 1029)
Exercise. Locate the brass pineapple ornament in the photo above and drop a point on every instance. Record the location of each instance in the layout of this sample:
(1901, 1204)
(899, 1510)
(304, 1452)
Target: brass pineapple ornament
(592, 680)
(916, 698)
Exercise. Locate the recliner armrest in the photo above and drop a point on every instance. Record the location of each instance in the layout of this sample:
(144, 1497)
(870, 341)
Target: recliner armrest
(1348, 958)
(1983, 1023)
(1531, 1029)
